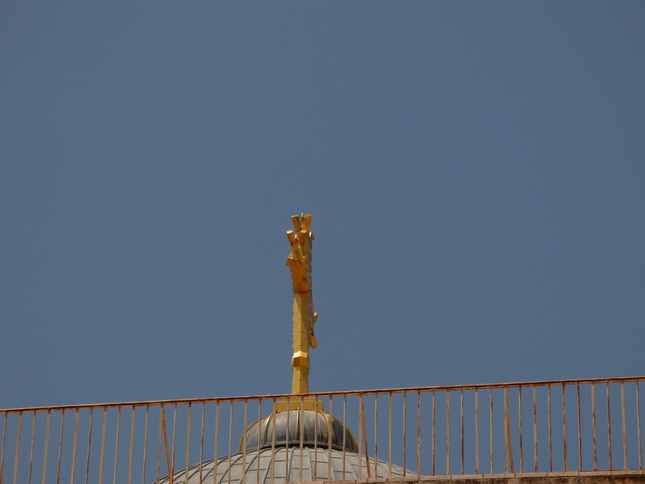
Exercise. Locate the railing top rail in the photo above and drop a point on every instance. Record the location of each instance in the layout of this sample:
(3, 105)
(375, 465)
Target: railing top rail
(385, 391)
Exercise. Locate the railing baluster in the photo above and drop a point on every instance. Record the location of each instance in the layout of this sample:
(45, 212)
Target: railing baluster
(47, 425)
(476, 431)
(611, 460)
(103, 432)
(300, 429)
(188, 432)
(89, 445)
(273, 442)
(344, 433)
(116, 445)
(622, 404)
(461, 411)
(363, 424)
(245, 420)
(535, 432)
(60, 445)
(287, 467)
(506, 431)
(174, 440)
(418, 436)
(130, 455)
(145, 447)
(31, 449)
(287, 437)
(564, 428)
(257, 459)
(550, 428)
(491, 443)
(73, 470)
(510, 435)
(405, 428)
(448, 470)
(638, 425)
(579, 428)
(329, 430)
(434, 433)
(593, 426)
(216, 441)
(519, 423)
(389, 438)
(163, 430)
(17, 451)
(375, 438)
(230, 439)
(360, 436)
(4, 439)
(511, 461)
(161, 425)
(201, 443)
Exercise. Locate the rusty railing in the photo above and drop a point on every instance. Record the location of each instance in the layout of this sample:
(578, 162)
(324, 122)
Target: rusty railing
(516, 428)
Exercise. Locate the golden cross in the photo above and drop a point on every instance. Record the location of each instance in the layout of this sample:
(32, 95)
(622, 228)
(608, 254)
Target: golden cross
(304, 317)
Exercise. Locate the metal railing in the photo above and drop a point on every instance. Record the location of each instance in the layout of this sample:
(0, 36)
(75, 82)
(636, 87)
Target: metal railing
(548, 426)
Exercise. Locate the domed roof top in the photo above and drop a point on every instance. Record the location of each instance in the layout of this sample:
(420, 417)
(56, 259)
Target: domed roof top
(285, 464)
(271, 452)
(290, 428)
(298, 442)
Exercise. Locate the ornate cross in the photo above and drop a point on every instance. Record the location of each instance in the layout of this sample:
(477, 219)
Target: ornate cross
(304, 317)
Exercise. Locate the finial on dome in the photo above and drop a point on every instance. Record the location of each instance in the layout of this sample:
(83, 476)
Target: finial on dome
(304, 317)
(300, 420)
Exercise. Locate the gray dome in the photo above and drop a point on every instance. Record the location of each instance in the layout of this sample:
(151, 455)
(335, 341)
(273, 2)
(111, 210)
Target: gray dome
(288, 427)
(260, 467)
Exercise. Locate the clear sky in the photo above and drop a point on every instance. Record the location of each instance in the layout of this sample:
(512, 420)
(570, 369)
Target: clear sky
(476, 173)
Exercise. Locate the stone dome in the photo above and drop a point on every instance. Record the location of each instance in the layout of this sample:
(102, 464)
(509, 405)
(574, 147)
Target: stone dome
(287, 447)
(284, 465)
(293, 427)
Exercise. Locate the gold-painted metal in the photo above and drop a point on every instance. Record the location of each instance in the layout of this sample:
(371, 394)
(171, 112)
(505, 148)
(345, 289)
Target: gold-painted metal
(306, 404)
(304, 317)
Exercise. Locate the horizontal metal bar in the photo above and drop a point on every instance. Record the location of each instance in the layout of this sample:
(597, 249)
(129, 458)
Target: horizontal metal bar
(381, 391)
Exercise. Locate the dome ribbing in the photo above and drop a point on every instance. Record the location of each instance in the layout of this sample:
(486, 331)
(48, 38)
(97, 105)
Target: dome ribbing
(283, 465)
(291, 428)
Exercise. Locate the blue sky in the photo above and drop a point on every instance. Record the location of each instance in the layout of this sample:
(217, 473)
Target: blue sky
(475, 171)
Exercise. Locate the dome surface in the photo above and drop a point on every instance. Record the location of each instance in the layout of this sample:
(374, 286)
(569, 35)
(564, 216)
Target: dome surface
(283, 465)
(293, 426)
